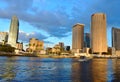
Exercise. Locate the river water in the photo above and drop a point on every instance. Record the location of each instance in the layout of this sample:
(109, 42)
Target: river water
(34, 69)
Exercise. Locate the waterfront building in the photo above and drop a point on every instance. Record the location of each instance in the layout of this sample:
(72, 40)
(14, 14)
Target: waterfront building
(19, 46)
(98, 33)
(61, 44)
(77, 38)
(116, 40)
(87, 40)
(13, 32)
(56, 49)
(48, 50)
(36, 45)
(67, 48)
(3, 37)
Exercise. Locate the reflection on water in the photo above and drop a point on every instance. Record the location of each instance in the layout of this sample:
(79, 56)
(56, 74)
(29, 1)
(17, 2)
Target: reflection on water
(33, 69)
(99, 70)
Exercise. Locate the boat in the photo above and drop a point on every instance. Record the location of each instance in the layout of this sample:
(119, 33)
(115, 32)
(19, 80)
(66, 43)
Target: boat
(83, 58)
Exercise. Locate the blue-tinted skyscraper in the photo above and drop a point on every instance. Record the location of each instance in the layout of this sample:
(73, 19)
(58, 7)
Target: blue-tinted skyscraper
(87, 40)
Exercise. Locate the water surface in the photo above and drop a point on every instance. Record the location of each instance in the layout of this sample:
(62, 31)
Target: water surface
(33, 69)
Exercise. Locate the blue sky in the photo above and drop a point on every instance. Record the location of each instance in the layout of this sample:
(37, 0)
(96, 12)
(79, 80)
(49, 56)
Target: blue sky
(52, 20)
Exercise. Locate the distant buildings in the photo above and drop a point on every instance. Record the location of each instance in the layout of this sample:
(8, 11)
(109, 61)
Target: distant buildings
(3, 37)
(94, 42)
(58, 49)
(98, 33)
(87, 40)
(77, 38)
(19, 46)
(13, 32)
(36, 45)
(61, 44)
(116, 38)
(67, 48)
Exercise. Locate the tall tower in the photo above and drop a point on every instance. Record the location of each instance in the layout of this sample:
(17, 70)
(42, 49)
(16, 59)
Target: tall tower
(98, 33)
(116, 38)
(13, 32)
(87, 40)
(77, 38)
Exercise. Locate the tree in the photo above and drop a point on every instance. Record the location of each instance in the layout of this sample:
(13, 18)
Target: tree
(7, 48)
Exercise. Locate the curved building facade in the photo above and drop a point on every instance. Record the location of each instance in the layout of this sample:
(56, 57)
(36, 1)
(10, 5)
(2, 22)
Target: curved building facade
(98, 33)
(13, 32)
(77, 37)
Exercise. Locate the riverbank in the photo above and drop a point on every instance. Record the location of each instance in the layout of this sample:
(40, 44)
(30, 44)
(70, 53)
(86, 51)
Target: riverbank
(40, 56)
(60, 56)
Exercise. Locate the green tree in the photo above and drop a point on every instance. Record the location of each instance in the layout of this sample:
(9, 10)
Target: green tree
(7, 48)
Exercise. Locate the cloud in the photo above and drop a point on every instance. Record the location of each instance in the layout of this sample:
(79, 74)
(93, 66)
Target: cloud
(52, 22)
(26, 36)
(57, 19)
(48, 42)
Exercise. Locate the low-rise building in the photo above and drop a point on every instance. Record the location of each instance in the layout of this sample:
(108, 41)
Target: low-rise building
(3, 37)
(19, 46)
(35, 45)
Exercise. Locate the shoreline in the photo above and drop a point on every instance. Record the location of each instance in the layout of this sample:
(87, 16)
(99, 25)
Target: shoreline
(58, 56)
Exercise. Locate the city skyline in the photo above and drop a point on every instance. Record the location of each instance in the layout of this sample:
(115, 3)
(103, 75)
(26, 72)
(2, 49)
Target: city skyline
(49, 22)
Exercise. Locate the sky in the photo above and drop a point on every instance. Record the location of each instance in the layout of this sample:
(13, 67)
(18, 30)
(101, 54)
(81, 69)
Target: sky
(52, 20)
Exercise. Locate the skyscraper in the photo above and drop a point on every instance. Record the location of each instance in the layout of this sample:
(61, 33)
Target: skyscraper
(98, 33)
(87, 40)
(13, 32)
(77, 37)
(116, 38)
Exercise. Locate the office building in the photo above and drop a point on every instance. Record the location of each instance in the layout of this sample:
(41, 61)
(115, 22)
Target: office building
(13, 32)
(36, 45)
(3, 37)
(87, 40)
(67, 48)
(77, 38)
(61, 44)
(98, 33)
(19, 46)
(116, 38)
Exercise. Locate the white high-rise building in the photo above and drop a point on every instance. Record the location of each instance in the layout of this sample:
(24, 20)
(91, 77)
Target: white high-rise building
(13, 32)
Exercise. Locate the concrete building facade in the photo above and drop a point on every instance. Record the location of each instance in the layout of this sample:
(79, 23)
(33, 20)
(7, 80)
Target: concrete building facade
(36, 45)
(19, 46)
(61, 44)
(98, 33)
(3, 37)
(13, 32)
(77, 38)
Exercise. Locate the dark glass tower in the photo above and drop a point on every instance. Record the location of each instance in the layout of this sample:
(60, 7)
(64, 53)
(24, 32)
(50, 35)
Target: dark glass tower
(116, 38)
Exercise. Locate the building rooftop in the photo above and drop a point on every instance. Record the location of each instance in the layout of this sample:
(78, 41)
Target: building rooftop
(98, 14)
(78, 24)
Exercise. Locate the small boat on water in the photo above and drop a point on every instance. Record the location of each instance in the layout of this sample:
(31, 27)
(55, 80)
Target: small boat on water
(83, 58)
